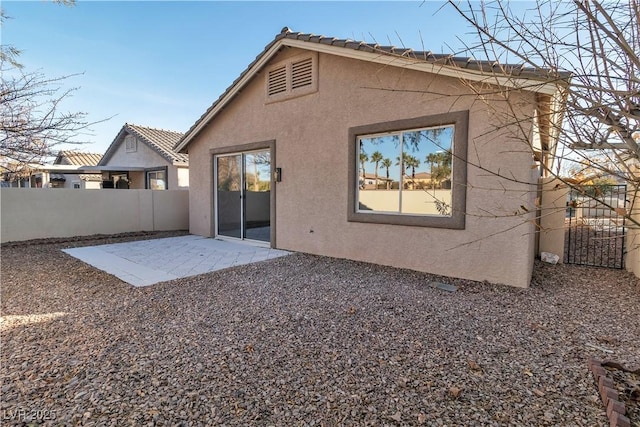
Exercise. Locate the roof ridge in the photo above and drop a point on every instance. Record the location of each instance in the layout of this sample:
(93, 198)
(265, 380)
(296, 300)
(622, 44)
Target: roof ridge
(74, 151)
(450, 58)
(151, 128)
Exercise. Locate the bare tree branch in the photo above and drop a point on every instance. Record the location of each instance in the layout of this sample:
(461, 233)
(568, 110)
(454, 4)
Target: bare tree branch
(32, 122)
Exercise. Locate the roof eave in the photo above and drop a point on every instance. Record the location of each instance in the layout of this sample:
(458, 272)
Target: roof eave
(114, 145)
(260, 62)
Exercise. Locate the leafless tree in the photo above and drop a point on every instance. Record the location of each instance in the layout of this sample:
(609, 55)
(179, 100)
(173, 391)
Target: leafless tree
(597, 44)
(33, 123)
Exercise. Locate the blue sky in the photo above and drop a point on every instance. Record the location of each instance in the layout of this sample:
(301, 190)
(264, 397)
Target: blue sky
(162, 64)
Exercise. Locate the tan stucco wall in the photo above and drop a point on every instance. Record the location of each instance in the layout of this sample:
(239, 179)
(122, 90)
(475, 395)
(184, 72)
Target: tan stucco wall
(421, 201)
(71, 178)
(311, 134)
(552, 215)
(42, 213)
(142, 157)
(632, 259)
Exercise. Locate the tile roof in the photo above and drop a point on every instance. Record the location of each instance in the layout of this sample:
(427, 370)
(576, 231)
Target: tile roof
(160, 140)
(445, 60)
(426, 56)
(77, 158)
(422, 175)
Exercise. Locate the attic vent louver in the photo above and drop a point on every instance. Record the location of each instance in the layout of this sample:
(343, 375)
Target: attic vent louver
(292, 77)
(302, 73)
(277, 82)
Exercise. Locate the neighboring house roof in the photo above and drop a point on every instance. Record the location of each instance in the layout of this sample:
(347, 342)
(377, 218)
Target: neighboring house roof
(373, 176)
(422, 175)
(77, 158)
(532, 79)
(160, 140)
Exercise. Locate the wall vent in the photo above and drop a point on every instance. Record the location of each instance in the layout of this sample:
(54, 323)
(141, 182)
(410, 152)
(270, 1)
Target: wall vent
(277, 81)
(302, 73)
(292, 77)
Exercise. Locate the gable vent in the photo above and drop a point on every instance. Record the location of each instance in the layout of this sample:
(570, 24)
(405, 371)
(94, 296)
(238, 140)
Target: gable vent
(277, 82)
(302, 73)
(294, 76)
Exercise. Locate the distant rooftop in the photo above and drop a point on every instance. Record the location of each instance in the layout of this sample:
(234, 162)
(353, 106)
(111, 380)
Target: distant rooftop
(160, 140)
(77, 158)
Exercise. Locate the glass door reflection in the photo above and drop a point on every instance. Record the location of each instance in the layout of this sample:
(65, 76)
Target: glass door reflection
(243, 196)
(229, 194)
(257, 197)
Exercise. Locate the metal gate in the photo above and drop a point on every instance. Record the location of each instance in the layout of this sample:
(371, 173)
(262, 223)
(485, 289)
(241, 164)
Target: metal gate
(594, 232)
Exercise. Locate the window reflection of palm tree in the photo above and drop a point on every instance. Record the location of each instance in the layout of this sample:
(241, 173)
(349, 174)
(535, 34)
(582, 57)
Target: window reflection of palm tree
(401, 161)
(376, 158)
(386, 163)
(432, 159)
(413, 163)
(363, 160)
(442, 170)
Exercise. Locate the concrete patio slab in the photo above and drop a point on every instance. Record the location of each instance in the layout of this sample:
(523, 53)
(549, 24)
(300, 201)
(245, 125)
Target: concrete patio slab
(146, 262)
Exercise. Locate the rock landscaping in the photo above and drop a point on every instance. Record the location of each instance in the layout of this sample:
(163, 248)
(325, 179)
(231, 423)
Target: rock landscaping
(305, 340)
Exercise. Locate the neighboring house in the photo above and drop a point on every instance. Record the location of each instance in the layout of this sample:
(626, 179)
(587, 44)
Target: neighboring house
(77, 181)
(65, 172)
(370, 181)
(14, 174)
(419, 180)
(143, 158)
(310, 108)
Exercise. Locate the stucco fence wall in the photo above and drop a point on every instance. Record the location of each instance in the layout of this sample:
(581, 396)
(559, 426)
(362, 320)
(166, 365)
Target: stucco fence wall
(552, 222)
(44, 213)
(413, 201)
(632, 260)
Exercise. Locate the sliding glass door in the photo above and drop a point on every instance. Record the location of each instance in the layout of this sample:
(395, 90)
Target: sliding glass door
(243, 195)
(229, 197)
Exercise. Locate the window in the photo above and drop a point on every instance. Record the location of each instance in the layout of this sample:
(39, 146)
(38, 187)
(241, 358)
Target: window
(294, 77)
(157, 180)
(76, 185)
(130, 144)
(410, 172)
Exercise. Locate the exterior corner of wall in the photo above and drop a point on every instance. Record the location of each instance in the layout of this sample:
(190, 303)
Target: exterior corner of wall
(632, 256)
(552, 216)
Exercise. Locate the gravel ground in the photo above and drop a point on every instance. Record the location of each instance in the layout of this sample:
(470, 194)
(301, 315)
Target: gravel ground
(305, 340)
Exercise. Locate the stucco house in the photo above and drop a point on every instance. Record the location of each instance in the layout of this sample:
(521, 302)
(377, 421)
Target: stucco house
(76, 181)
(143, 158)
(279, 157)
(13, 174)
(64, 172)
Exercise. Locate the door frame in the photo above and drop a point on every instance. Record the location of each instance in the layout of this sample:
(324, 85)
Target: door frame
(270, 146)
